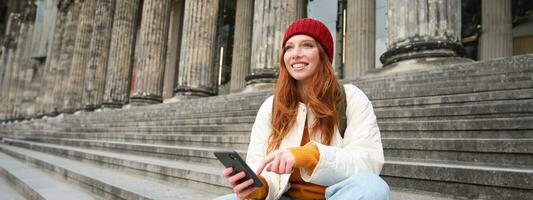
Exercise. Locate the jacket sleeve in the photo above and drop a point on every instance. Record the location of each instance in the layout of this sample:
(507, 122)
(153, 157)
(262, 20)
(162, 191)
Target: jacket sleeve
(361, 148)
(261, 131)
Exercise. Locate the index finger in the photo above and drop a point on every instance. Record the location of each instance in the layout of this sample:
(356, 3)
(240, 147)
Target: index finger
(267, 160)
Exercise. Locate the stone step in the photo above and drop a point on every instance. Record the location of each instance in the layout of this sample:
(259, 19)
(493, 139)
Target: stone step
(522, 123)
(171, 152)
(35, 184)
(457, 99)
(161, 117)
(479, 110)
(109, 181)
(205, 140)
(462, 179)
(516, 63)
(178, 110)
(211, 129)
(424, 92)
(450, 80)
(199, 174)
(7, 190)
(173, 122)
(495, 134)
(515, 152)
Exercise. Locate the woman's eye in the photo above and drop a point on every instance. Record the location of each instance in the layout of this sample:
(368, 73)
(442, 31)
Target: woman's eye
(288, 48)
(307, 45)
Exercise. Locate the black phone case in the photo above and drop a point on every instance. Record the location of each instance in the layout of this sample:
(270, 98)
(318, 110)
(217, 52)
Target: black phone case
(232, 159)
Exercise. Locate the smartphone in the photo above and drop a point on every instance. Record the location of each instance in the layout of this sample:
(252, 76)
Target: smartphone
(232, 159)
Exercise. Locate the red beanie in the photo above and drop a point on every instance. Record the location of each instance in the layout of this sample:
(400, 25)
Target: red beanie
(314, 28)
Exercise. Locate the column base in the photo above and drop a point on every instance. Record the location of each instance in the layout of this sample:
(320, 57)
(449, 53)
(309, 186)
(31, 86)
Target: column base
(183, 91)
(418, 64)
(145, 99)
(112, 105)
(411, 49)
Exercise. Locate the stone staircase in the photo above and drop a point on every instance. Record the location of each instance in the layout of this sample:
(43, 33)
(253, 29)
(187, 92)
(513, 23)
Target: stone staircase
(456, 132)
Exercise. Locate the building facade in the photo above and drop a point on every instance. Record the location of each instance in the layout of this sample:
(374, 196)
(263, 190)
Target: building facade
(64, 56)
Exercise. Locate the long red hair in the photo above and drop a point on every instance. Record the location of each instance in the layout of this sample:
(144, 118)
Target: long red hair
(323, 95)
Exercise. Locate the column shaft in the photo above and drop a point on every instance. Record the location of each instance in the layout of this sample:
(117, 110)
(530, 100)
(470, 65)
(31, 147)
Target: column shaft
(195, 77)
(242, 44)
(121, 53)
(497, 32)
(94, 82)
(8, 46)
(423, 29)
(271, 18)
(150, 68)
(74, 89)
(173, 50)
(360, 38)
(53, 60)
(67, 51)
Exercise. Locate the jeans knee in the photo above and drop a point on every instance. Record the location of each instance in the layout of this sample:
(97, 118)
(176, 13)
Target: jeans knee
(362, 186)
(375, 186)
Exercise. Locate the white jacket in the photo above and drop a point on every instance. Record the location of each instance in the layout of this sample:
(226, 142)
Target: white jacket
(359, 150)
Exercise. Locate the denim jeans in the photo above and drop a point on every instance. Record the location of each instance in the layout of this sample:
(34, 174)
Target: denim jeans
(363, 186)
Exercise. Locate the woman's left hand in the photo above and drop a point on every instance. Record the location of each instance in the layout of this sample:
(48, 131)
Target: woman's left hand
(281, 162)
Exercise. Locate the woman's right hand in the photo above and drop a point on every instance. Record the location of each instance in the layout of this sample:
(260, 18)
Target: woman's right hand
(241, 189)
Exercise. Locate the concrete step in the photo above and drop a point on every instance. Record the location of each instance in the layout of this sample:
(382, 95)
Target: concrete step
(424, 92)
(162, 117)
(205, 140)
(35, 184)
(515, 152)
(451, 82)
(189, 129)
(171, 152)
(198, 174)
(172, 122)
(457, 99)
(496, 66)
(522, 123)
(455, 80)
(109, 181)
(516, 108)
(495, 134)
(7, 190)
(461, 179)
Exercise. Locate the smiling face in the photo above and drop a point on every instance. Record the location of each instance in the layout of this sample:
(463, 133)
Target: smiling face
(301, 57)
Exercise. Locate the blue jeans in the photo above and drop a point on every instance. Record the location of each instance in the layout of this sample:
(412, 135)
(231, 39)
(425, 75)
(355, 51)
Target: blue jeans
(363, 186)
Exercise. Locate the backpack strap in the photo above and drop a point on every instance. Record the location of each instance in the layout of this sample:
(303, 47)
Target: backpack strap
(341, 111)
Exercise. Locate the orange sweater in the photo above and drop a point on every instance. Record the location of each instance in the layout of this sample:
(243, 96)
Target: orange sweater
(307, 157)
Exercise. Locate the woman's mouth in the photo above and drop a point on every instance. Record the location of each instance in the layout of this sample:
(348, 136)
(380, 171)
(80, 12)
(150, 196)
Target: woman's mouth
(299, 66)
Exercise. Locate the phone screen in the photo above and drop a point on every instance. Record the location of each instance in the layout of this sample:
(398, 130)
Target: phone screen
(233, 160)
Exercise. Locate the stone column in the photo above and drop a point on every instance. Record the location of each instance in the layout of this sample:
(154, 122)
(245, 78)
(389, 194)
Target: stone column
(67, 51)
(16, 82)
(23, 103)
(173, 50)
(428, 32)
(271, 18)
(99, 53)
(8, 48)
(197, 49)
(80, 58)
(121, 53)
(242, 44)
(148, 88)
(52, 60)
(360, 38)
(496, 30)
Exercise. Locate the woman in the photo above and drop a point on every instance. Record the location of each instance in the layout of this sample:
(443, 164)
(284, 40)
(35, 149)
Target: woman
(296, 145)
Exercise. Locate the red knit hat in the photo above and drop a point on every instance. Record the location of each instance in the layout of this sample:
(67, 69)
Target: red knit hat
(314, 28)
